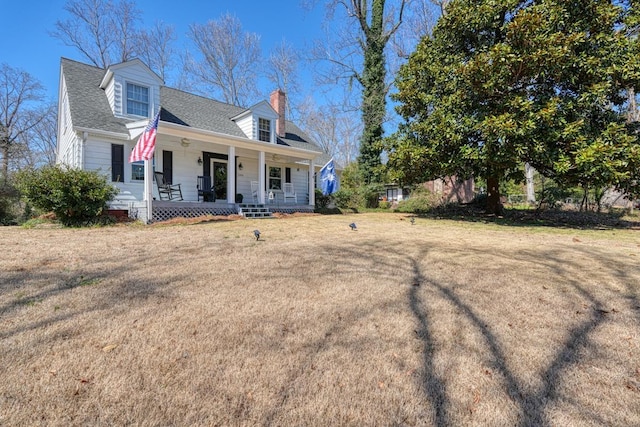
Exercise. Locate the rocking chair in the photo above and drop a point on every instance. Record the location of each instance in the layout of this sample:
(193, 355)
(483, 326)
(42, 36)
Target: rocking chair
(204, 189)
(167, 191)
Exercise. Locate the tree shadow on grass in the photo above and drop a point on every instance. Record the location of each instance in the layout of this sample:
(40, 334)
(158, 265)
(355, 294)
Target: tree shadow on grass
(20, 293)
(532, 404)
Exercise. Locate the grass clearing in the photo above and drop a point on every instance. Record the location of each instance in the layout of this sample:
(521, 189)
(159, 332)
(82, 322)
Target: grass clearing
(437, 323)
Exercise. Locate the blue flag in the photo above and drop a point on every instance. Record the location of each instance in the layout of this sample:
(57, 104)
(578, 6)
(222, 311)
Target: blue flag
(329, 183)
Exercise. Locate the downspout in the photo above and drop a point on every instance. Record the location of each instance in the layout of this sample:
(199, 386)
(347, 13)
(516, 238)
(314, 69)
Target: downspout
(83, 141)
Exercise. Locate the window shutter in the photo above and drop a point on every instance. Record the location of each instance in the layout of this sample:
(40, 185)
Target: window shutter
(287, 175)
(117, 162)
(167, 166)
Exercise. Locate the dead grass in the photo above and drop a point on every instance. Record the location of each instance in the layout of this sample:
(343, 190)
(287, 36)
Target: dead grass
(437, 323)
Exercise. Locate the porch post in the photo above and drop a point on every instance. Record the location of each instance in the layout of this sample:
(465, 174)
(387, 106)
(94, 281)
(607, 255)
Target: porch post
(147, 195)
(231, 175)
(261, 173)
(312, 184)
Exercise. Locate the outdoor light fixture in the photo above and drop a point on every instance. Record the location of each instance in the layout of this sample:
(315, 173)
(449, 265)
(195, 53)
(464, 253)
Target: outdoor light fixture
(199, 161)
(240, 166)
(185, 142)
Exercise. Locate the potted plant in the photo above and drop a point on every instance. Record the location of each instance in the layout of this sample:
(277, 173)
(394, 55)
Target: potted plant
(239, 198)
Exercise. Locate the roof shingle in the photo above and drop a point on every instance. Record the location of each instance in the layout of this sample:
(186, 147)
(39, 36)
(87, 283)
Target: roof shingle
(90, 109)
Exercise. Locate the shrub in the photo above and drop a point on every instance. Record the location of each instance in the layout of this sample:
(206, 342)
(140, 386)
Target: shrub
(77, 197)
(322, 201)
(420, 201)
(370, 194)
(347, 198)
(384, 204)
(8, 201)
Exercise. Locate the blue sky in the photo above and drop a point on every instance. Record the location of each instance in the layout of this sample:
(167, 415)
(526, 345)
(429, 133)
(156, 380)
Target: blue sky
(25, 43)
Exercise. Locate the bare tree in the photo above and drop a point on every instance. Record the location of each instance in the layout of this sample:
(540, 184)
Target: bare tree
(282, 72)
(42, 137)
(101, 30)
(228, 62)
(420, 17)
(124, 17)
(19, 94)
(155, 47)
(335, 128)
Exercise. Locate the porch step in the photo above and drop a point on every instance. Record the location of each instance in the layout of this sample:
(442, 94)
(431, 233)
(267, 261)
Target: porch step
(254, 211)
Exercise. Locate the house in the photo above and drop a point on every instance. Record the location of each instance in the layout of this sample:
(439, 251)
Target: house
(102, 113)
(449, 190)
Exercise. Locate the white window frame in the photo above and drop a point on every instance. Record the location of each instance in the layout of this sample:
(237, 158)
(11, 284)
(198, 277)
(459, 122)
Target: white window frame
(139, 164)
(261, 130)
(280, 178)
(126, 98)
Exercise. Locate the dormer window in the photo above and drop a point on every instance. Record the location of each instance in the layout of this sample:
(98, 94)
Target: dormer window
(264, 130)
(137, 100)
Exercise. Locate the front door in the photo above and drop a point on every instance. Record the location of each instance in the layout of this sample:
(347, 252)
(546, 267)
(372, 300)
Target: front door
(219, 179)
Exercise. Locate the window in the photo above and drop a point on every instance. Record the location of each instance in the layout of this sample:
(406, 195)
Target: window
(137, 169)
(264, 130)
(275, 178)
(137, 100)
(117, 162)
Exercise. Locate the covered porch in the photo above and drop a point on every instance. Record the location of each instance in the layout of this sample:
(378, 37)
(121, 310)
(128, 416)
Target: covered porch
(241, 172)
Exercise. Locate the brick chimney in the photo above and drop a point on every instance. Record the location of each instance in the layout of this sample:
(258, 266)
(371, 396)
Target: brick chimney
(278, 101)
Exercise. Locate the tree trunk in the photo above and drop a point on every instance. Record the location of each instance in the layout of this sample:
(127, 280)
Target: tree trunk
(373, 92)
(531, 192)
(494, 206)
(5, 164)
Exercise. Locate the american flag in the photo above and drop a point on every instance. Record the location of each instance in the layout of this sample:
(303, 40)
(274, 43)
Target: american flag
(147, 141)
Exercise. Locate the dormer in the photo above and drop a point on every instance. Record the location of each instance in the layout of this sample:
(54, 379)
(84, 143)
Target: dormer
(133, 90)
(258, 122)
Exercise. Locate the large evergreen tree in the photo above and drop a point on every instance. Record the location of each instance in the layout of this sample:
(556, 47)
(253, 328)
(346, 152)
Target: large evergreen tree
(504, 82)
(374, 89)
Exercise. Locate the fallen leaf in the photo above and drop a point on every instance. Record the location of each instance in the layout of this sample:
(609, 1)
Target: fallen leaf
(381, 384)
(632, 385)
(575, 239)
(109, 348)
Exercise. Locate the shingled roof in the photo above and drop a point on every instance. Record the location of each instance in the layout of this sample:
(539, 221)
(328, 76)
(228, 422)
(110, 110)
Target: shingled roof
(90, 109)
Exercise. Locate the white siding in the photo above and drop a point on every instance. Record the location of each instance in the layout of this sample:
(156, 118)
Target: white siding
(111, 91)
(98, 157)
(247, 127)
(68, 149)
(249, 123)
(139, 75)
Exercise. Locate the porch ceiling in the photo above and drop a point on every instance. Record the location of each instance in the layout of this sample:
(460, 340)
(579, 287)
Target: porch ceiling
(174, 133)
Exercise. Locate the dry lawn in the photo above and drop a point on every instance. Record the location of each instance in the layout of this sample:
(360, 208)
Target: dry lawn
(437, 323)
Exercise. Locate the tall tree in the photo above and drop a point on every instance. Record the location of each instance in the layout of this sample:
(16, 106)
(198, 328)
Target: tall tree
(335, 128)
(282, 71)
(359, 55)
(501, 83)
(155, 48)
(41, 139)
(227, 60)
(103, 31)
(20, 94)
(106, 32)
